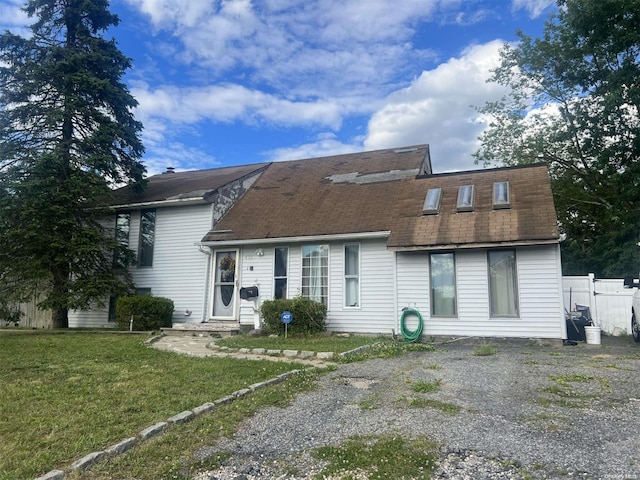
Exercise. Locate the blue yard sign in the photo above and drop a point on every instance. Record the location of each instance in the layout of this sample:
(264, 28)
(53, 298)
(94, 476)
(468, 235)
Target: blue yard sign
(286, 318)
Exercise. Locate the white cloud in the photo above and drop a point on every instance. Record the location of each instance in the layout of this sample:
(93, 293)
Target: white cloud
(177, 155)
(534, 7)
(13, 18)
(438, 108)
(325, 145)
(320, 48)
(228, 103)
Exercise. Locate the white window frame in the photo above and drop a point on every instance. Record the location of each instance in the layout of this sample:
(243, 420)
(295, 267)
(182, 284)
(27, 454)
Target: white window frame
(286, 276)
(515, 283)
(347, 277)
(455, 286)
(328, 276)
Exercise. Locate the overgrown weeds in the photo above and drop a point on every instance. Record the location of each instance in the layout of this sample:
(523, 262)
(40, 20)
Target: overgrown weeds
(379, 457)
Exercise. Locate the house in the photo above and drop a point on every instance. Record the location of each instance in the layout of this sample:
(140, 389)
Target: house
(476, 253)
(163, 225)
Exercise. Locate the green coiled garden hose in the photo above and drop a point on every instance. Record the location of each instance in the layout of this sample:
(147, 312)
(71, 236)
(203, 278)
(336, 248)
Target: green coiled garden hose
(409, 335)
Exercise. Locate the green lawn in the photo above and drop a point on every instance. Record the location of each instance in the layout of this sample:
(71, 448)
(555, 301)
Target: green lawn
(63, 396)
(313, 343)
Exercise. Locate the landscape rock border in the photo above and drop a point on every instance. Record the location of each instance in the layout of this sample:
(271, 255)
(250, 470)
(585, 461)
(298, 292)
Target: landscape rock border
(159, 428)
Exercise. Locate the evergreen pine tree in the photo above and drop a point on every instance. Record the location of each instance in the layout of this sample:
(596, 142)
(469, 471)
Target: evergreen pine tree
(67, 136)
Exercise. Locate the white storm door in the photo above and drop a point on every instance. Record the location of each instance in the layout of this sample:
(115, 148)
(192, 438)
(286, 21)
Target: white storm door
(224, 285)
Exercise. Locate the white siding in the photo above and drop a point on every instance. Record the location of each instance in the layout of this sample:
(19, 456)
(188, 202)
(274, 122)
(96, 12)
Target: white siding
(413, 283)
(179, 267)
(96, 317)
(540, 313)
(376, 315)
(255, 270)
(377, 296)
(541, 305)
(179, 270)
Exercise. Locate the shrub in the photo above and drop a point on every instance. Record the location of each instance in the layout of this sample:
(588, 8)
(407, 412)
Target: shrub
(149, 313)
(308, 316)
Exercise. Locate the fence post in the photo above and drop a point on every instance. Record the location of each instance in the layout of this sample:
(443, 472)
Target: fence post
(592, 299)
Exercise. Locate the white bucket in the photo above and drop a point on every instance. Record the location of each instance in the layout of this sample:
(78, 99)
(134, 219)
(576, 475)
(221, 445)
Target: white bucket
(592, 334)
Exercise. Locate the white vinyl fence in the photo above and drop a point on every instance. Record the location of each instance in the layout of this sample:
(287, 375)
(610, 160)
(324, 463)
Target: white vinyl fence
(608, 301)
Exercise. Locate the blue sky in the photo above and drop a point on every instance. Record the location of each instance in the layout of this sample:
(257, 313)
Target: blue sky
(229, 82)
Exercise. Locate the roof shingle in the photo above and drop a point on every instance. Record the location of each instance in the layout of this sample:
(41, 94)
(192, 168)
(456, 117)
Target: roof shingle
(379, 191)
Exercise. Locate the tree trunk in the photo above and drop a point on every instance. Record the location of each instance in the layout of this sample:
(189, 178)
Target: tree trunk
(60, 318)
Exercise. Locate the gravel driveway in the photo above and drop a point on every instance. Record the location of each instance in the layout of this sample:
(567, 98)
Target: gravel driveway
(525, 412)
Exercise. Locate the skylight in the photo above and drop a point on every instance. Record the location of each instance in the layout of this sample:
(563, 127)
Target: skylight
(501, 195)
(432, 201)
(465, 198)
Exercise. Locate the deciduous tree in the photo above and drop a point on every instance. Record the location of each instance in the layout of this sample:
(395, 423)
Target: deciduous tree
(575, 105)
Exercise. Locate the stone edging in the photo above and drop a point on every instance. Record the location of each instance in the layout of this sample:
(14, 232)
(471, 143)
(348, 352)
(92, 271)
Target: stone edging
(182, 417)
(304, 354)
(157, 429)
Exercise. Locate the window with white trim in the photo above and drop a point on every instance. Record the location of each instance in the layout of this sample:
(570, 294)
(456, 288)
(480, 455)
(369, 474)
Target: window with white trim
(352, 275)
(503, 283)
(443, 285)
(280, 269)
(315, 273)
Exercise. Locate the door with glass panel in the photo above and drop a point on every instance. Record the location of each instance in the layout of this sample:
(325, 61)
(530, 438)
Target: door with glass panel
(224, 286)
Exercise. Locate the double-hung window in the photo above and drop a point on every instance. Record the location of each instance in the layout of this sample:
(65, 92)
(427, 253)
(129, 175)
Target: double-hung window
(503, 283)
(315, 273)
(352, 275)
(443, 285)
(280, 268)
(147, 237)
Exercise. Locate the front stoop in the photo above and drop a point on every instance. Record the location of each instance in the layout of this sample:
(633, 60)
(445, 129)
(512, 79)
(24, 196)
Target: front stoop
(206, 329)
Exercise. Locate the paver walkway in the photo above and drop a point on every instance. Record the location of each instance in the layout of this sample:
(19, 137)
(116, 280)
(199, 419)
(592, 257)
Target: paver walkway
(198, 347)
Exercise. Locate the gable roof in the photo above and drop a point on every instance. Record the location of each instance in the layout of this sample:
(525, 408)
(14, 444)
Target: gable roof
(381, 192)
(182, 186)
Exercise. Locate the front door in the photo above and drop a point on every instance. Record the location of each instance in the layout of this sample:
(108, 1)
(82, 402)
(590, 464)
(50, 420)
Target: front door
(224, 286)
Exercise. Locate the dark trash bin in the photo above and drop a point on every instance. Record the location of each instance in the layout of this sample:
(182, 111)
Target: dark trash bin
(575, 328)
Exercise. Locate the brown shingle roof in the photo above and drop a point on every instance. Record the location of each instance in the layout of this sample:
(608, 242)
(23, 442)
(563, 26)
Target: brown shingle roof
(531, 218)
(378, 191)
(183, 185)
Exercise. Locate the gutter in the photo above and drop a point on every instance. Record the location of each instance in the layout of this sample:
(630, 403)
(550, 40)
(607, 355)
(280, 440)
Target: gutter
(174, 202)
(467, 246)
(297, 239)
